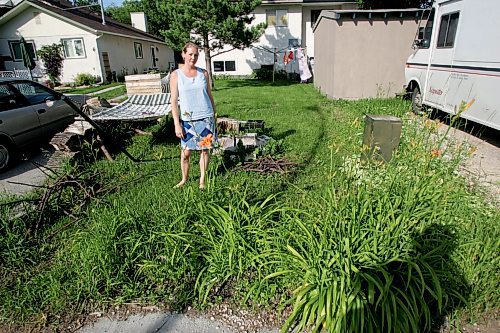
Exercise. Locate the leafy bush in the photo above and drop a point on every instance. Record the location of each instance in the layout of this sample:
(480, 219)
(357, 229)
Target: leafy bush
(52, 58)
(266, 74)
(84, 79)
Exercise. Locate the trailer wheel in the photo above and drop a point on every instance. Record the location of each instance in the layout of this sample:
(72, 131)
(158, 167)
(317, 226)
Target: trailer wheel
(5, 156)
(416, 101)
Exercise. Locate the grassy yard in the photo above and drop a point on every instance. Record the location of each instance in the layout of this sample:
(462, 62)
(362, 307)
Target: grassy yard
(337, 244)
(88, 90)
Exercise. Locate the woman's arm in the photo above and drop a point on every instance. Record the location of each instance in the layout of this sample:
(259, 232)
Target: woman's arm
(209, 90)
(174, 100)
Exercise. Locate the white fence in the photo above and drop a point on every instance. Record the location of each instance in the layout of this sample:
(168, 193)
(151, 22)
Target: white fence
(20, 73)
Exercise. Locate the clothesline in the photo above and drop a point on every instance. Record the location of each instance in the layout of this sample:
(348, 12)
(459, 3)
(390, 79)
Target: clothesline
(282, 50)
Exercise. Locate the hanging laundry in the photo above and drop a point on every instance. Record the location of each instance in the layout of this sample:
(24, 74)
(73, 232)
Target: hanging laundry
(290, 56)
(305, 73)
(285, 59)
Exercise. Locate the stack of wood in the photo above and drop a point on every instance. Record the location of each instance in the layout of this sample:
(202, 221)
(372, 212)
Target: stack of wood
(73, 136)
(140, 84)
(268, 165)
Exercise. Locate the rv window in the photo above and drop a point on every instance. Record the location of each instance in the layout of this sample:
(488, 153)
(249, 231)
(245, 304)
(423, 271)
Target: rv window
(425, 33)
(448, 30)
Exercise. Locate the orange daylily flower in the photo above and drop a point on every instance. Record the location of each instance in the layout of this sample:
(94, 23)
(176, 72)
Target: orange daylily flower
(436, 153)
(206, 141)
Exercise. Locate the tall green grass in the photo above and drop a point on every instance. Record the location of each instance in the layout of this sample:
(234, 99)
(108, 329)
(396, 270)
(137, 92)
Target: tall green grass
(340, 245)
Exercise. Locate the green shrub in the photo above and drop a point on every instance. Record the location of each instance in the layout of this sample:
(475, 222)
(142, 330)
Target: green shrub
(85, 79)
(266, 74)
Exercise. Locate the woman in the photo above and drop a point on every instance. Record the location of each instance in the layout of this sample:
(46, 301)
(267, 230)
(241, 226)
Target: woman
(195, 121)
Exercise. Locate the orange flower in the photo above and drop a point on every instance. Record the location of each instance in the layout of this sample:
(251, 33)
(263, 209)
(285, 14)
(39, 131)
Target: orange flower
(436, 153)
(206, 142)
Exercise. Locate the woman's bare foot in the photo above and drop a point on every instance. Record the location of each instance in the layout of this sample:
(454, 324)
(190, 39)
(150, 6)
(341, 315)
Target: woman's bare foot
(202, 185)
(181, 184)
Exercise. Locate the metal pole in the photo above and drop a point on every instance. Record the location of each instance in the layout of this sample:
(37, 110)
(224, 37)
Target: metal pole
(274, 62)
(102, 12)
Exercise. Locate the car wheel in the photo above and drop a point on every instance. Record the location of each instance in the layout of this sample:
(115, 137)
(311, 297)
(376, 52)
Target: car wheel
(5, 156)
(416, 101)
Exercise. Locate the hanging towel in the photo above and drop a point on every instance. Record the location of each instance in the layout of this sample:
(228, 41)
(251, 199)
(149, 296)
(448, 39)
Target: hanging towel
(305, 73)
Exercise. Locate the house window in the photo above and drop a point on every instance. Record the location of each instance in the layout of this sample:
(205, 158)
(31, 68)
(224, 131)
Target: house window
(448, 30)
(315, 13)
(138, 50)
(15, 50)
(230, 66)
(425, 33)
(277, 17)
(73, 48)
(225, 66)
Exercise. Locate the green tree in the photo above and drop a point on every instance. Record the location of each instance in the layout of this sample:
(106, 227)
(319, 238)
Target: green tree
(212, 24)
(52, 58)
(396, 4)
(122, 13)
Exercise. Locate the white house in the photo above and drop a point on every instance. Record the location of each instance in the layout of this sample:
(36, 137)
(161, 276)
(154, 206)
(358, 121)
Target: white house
(289, 25)
(91, 44)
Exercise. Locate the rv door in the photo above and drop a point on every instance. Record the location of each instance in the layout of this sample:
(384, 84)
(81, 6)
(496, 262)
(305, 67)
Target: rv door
(441, 64)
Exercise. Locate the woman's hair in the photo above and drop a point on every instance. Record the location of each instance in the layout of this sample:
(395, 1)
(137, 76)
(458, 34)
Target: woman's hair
(188, 46)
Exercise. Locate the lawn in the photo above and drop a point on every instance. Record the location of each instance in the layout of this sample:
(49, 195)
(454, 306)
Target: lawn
(337, 244)
(88, 90)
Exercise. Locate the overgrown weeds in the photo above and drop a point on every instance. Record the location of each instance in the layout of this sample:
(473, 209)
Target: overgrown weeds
(341, 245)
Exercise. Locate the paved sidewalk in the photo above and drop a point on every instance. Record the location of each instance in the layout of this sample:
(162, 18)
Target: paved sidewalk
(161, 323)
(104, 90)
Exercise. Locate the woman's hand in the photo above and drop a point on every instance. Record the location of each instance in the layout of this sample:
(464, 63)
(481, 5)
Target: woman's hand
(179, 132)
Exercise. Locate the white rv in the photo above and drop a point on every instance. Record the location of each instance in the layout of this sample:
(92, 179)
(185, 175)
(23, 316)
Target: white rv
(455, 66)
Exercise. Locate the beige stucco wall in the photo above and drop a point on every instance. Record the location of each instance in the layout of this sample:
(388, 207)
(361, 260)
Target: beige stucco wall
(362, 58)
(122, 58)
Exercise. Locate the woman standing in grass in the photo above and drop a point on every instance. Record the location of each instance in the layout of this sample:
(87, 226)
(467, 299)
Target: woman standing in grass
(195, 122)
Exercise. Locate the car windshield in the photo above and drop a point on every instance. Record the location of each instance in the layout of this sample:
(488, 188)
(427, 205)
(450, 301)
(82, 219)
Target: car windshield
(34, 93)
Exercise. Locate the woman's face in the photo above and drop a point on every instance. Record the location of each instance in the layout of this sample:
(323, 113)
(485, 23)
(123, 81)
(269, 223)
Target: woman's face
(191, 56)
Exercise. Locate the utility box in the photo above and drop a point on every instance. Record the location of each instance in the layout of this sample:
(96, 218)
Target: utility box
(381, 136)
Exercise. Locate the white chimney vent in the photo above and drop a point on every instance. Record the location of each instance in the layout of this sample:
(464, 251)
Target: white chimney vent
(139, 21)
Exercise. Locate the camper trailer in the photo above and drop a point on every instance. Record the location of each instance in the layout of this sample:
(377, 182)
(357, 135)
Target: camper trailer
(455, 65)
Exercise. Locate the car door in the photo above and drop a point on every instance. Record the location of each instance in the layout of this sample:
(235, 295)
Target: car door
(18, 120)
(54, 114)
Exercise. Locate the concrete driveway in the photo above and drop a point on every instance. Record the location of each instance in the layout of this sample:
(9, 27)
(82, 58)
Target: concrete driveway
(30, 172)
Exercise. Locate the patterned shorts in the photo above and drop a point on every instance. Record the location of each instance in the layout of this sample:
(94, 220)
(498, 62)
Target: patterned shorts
(198, 134)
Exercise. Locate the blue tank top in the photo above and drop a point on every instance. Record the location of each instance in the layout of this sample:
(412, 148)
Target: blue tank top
(194, 101)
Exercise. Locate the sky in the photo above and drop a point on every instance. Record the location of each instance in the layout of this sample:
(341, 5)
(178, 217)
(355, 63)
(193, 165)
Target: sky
(109, 2)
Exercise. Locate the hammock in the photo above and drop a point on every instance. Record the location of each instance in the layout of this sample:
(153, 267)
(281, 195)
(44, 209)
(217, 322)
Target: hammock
(136, 108)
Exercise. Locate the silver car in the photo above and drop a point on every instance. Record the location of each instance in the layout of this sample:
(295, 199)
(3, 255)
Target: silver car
(30, 114)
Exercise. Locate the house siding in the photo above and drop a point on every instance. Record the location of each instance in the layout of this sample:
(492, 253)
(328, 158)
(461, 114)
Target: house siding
(52, 29)
(299, 27)
(44, 34)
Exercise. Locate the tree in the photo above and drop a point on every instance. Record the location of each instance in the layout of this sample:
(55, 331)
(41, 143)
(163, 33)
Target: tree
(122, 13)
(156, 18)
(396, 4)
(51, 56)
(212, 24)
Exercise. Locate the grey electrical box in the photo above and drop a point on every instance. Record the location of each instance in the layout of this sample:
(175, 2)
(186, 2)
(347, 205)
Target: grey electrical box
(381, 136)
